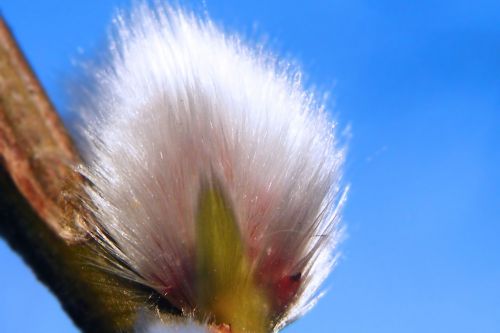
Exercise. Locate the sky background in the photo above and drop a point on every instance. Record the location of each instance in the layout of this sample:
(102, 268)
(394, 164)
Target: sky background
(418, 84)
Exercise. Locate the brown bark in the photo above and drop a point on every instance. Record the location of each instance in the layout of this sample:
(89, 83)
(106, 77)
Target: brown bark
(40, 212)
(35, 148)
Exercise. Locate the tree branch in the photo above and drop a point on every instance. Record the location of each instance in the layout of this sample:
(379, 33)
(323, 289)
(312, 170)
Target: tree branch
(40, 214)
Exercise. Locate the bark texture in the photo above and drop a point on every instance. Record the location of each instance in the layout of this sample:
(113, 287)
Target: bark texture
(40, 212)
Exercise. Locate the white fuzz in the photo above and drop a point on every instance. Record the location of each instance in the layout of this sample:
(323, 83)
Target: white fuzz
(154, 325)
(189, 327)
(179, 104)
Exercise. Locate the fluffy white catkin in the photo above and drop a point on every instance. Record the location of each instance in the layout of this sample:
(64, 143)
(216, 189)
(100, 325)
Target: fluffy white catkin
(178, 105)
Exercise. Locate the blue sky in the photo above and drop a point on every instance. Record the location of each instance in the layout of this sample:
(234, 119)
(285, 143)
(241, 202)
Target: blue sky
(418, 83)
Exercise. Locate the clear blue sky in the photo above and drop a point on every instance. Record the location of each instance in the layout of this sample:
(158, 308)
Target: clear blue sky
(418, 82)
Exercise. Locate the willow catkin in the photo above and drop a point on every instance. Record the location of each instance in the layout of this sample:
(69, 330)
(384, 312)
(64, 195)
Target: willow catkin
(215, 175)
